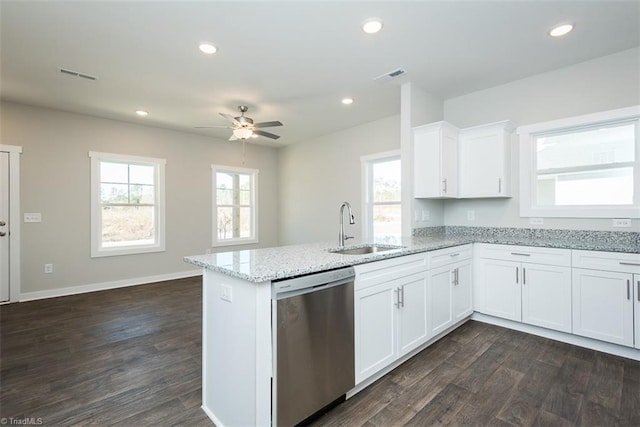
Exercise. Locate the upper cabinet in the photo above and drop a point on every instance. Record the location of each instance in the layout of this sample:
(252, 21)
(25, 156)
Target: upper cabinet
(485, 160)
(462, 163)
(435, 167)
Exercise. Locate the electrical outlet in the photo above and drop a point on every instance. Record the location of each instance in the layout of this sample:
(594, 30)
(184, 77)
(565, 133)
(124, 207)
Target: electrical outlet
(425, 215)
(48, 268)
(536, 221)
(416, 215)
(32, 217)
(226, 294)
(471, 215)
(622, 222)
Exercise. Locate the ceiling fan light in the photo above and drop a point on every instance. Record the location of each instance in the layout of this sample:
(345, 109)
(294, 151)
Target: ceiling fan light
(242, 133)
(372, 25)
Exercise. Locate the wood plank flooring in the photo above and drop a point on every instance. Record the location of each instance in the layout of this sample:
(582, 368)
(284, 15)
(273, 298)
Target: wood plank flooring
(132, 357)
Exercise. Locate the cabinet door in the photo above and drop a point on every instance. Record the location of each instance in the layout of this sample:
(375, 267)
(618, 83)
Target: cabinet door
(412, 310)
(449, 164)
(440, 299)
(603, 306)
(500, 288)
(462, 291)
(546, 296)
(636, 280)
(485, 162)
(426, 167)
(375, 329)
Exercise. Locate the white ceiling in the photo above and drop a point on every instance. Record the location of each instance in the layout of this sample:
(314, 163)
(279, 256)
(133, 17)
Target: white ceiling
(289, 61)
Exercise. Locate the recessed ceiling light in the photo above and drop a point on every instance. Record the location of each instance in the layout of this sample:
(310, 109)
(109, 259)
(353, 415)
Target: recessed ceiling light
(372, 25)
(142, 113)
(560, 30)
(208, 48)
(347, 101)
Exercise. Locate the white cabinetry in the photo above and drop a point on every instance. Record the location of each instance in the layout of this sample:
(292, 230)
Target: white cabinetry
(435, 167)
(606, 293)
(390, 311)
(485, 160)
(449, 297)
(525, 284)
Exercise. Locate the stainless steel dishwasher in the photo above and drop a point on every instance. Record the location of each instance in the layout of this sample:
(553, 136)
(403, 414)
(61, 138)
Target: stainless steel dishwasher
(314, 343)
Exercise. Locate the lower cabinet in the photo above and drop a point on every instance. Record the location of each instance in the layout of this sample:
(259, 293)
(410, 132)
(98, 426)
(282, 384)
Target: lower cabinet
(449, 295)
(529, 292)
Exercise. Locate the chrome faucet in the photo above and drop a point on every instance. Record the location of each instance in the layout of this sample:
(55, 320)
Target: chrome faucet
(352, 220)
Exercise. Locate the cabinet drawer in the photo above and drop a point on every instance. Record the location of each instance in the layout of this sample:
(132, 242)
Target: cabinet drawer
(607, 261)
(373, 273)
(441, 257)
(530, 254)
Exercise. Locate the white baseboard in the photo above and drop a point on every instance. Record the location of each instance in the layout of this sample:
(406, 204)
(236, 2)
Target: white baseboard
(73, 290)
(212, 417)
(605, 347)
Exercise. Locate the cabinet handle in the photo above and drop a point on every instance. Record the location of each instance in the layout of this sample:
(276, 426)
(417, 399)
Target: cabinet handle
(444, 185)
(628, 289)
(637, 264)
(520, 254)
(402, 292)
(456, 254)
(524, 276)
(499, 185)
(457, 276)
(397, 292)
(517, 268)
(638, 294)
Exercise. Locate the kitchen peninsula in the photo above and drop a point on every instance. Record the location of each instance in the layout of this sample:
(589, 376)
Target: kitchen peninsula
(239, 299)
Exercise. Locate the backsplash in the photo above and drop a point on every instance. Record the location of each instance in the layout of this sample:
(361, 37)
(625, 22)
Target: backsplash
(628, 238)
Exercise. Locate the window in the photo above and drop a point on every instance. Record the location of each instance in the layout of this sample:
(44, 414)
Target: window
(587, 166)
(382, 196)
(127, 204)
(234, 205)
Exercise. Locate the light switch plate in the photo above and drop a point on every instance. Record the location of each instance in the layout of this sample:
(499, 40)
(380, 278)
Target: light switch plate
(536, 221)
(622, 222)
(471, 215)
(425, 215)
(226, 294)
(32, 217)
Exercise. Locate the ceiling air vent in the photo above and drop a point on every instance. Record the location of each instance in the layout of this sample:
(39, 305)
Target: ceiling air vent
(77, 74)
(390, 75)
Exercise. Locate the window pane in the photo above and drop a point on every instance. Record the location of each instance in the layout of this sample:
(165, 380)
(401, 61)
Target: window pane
(386, 181)
(114, 172)
(608, 144)
(245, 197)
(387, 220)
(139, 174)
(141, 194)
(245, 182)
(122, 225)
(224, 197)
(114, 193)
(225, 223)
(245, 222)
(594, 187)
(224, 180)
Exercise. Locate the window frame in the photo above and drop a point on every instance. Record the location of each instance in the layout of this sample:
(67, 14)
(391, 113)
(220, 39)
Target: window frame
(528, 166)
(97, 250)
(367, 163)
(253, 173)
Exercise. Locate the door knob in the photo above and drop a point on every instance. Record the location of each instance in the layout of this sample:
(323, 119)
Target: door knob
(2, 223)
(2, 234)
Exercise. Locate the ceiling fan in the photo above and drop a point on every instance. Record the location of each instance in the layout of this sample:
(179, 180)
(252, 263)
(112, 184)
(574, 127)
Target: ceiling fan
(244, 127)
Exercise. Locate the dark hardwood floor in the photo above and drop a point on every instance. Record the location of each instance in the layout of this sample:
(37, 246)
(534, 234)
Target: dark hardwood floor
(132, 357)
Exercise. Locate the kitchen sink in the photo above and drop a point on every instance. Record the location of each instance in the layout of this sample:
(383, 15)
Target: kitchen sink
(363, 249)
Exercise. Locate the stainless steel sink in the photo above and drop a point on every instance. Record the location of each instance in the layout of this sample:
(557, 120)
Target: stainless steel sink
(364, 249)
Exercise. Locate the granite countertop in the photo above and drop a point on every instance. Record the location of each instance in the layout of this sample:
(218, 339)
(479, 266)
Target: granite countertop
(263, 265)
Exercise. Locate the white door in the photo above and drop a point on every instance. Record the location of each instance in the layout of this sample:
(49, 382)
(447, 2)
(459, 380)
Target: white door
(4, 226)
(375, 329)
(440, 299)
(603, 306)
(462, 291)
(500, 287)
(546, 296)
(413, 313)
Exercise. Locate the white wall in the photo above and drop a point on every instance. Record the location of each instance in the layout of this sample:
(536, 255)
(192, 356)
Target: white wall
(316, 176)
(605, 83)
(55, 182)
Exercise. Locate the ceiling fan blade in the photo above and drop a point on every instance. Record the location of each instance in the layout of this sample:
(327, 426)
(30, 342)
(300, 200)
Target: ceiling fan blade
(267, 124)
(266, 134)
(213, 127)
(231, 119)
(233, 138)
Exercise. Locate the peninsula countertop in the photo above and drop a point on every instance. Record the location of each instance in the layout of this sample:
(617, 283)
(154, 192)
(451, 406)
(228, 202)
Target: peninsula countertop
(263, 265)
